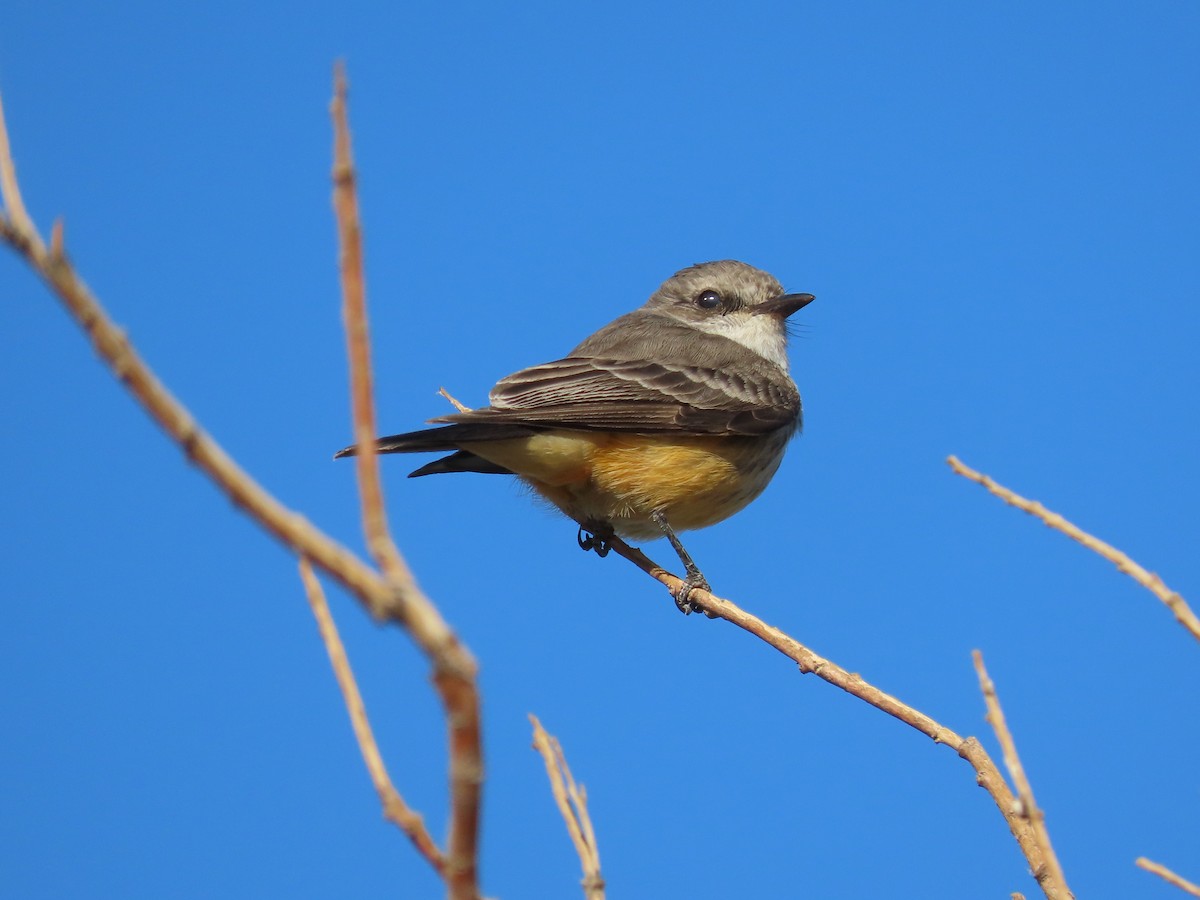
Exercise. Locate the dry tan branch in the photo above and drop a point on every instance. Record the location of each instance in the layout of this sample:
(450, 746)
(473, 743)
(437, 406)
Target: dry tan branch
(572, 804)
(987, 775)
(1027, 807)
(1151, 582)
(390, 599)
(394, 807)
(10, 190)
(1168, 876)
(455, 671)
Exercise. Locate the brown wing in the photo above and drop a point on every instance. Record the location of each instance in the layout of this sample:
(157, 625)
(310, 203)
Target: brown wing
(645, 397)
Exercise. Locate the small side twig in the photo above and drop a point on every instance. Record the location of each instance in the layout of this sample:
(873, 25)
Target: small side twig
(395, 809)
(1168, 876)
(461, 407)
(572, 804)
(10, 190)
(1147, 579)
(1027, 806)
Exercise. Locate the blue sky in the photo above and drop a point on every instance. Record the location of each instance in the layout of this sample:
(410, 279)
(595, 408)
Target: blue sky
(998, 208)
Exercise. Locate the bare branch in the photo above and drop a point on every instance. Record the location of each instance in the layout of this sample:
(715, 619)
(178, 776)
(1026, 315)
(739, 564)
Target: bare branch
(572, 805)
(358, 347)
(394, 807)
(1167, 875)
(461, 407)
(1027, 807)
(1151, 582)
(987, 775)
(454, 669)
(10, 189)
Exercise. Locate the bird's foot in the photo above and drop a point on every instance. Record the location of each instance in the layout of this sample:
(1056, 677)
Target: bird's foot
(683, 595)
(595, 536)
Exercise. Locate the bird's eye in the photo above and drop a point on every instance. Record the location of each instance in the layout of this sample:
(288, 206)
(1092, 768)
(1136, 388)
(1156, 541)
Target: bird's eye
(708, 300)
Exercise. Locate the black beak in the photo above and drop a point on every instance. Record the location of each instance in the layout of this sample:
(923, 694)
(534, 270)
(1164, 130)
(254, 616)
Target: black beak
(784, 306)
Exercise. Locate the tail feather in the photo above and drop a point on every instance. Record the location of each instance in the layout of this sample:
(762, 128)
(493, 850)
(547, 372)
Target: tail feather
(443, 439)
(462, 461)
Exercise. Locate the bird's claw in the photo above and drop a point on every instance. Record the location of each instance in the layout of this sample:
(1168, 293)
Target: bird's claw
(683, 596)
(594, 539)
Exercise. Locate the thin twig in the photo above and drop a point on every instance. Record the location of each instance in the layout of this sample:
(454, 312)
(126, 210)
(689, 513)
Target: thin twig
(987, 775)
(395, 809)
(10, 189)
(1151, 582)
(572, 805)
(1167, 875)
(454, 670)
(461, 407)
(358, 347)
(1027, 807)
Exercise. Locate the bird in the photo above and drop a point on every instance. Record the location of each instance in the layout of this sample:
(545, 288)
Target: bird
(672, 417)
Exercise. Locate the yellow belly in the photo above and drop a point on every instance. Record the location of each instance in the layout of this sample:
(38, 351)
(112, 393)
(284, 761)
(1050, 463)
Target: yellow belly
(622, 479)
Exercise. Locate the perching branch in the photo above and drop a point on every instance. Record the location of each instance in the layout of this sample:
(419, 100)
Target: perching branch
(987, 775)
(572, 805)
(1027, 807)
(1148, 580)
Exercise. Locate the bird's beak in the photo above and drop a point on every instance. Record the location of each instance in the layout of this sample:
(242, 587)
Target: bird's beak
(784, 306)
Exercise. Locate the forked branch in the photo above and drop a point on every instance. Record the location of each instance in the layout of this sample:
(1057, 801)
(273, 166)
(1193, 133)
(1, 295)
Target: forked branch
(571, 800)
(395, 598)
(454, 673)
(987, 775)
(1026, 806)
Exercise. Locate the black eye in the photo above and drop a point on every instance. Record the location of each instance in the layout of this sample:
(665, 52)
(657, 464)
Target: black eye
(708, 300)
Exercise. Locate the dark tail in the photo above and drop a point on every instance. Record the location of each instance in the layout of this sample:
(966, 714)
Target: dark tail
(444, 439)
(462, 461)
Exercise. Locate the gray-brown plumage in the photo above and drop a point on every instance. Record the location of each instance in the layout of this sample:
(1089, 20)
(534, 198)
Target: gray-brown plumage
(673, 416)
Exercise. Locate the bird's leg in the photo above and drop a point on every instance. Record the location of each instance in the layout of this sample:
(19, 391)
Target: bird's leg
(595, 536)
(695, 578)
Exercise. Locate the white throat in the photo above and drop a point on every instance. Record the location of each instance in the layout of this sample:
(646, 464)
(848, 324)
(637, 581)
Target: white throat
(762, 334)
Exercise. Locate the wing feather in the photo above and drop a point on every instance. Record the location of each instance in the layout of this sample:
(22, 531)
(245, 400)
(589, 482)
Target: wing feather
(597, 393)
